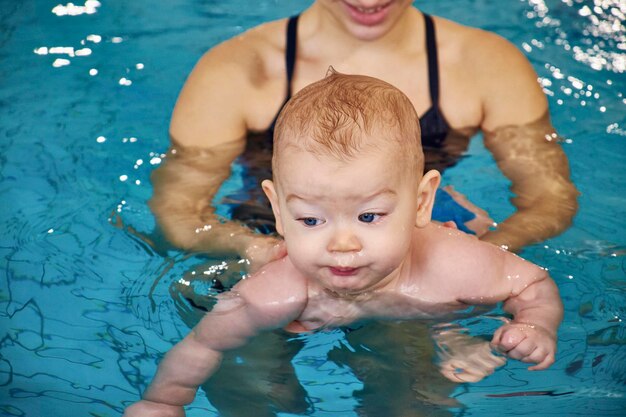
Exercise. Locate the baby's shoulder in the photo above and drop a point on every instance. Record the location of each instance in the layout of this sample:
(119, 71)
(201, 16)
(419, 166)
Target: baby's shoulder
(442, 251)
(440, 240)
(279, 284)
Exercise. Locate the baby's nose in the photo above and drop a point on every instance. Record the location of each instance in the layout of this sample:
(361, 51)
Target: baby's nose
(344, 240)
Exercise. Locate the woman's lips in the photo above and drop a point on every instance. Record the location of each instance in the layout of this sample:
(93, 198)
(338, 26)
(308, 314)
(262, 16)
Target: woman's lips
(369, 16)
(343, 271)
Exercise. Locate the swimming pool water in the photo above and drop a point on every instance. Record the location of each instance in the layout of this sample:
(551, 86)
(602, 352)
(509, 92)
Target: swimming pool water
(87, 307)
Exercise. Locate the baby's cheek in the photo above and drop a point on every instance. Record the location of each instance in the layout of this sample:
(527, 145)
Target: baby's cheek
(392, 248)
(388, 260)
(303, 256)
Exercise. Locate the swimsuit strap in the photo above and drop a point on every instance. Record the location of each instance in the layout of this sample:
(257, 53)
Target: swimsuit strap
(433, 63)
(290, 61)
(435, 127)
(290, 51)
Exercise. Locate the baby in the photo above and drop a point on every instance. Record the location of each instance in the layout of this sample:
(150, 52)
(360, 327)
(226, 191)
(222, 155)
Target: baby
(354, 209)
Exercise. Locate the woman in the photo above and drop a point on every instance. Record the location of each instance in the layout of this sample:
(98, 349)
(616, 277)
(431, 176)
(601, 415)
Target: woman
(460, 80)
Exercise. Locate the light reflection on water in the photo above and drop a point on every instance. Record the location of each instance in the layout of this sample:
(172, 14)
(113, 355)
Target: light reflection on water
(600, 32)
(89, 298)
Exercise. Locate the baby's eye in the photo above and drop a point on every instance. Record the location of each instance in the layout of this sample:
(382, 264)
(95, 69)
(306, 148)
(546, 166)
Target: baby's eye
(310, 221)
(368, 217)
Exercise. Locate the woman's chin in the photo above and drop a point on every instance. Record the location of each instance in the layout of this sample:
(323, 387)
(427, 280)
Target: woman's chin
(369, 25)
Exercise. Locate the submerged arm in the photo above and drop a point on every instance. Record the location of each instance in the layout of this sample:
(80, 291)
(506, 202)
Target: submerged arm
(525, 146)
(545, 197)
(208, 131)
(183, 188)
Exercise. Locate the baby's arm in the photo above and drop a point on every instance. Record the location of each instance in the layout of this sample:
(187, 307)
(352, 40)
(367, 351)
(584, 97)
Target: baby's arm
(485, 274)
(529, 294)
(269, 299)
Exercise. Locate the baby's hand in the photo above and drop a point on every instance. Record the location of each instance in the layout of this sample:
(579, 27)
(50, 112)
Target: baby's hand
(526, 343)
(464, 358)
(145, 408)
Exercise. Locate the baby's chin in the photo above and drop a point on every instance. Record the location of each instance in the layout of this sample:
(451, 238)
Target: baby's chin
(346, 288)
(350, 282)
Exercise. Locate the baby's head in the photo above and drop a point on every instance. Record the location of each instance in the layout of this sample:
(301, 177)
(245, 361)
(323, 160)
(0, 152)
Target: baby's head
(348, 188)
(343, 115)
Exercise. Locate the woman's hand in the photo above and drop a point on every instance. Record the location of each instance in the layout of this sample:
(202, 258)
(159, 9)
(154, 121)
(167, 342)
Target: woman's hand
(480, 224)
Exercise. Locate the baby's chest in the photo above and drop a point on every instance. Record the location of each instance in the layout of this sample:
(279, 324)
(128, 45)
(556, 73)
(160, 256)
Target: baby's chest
(329, 313)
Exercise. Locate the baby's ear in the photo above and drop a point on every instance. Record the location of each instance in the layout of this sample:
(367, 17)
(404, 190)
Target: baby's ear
(426, 191)
(270, 192)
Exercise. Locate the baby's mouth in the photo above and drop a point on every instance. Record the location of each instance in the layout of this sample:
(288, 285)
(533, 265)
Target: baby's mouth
(343, 271)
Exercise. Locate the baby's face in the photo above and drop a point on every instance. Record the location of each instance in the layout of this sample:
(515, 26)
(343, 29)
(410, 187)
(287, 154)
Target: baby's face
(347, 225)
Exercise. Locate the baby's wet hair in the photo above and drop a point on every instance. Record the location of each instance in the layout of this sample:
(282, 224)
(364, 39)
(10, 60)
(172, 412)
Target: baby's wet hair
(341, 114)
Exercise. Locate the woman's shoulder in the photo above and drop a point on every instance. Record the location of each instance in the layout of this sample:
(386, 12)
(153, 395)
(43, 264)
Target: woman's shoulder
(232, 88)
(253, 52)
(494, 70)
(470, 42)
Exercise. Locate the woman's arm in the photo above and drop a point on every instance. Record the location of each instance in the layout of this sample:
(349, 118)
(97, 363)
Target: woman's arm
(525, 146)
(208, 131)
(181, 202)
(545, 197)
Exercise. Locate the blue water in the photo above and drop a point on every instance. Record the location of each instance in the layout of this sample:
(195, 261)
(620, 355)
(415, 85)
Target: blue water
(87, 308)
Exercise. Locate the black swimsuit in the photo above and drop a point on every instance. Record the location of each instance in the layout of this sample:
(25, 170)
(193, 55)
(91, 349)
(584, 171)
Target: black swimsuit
(434, 126)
